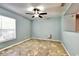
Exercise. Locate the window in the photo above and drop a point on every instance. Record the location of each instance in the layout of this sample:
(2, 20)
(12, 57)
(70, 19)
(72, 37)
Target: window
(7, 28)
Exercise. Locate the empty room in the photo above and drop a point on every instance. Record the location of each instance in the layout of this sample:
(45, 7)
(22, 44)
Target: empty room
(39, 29)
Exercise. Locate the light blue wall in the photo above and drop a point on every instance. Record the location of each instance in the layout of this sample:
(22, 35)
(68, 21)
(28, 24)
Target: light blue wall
(70, 39)
(71, 42)
(23, 27)
(43, 28)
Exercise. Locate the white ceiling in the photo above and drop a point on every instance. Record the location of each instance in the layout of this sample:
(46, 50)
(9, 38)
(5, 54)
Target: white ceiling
(74, 9)
(52, 9)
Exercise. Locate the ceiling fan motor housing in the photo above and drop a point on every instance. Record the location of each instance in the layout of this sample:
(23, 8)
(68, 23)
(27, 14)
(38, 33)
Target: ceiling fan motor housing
(36, 9)
(36, 13)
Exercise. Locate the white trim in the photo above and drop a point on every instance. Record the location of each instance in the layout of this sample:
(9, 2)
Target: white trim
(67, 8)
(26, 40)
(47, 39)
(14, 44)
(56, 41)
(65, 49)
(34, 38)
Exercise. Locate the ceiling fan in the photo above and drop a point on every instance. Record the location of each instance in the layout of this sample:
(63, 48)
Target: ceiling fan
(36, 12)
(62, 4)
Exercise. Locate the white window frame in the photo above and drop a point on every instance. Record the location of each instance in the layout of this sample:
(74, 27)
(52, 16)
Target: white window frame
(8, 30)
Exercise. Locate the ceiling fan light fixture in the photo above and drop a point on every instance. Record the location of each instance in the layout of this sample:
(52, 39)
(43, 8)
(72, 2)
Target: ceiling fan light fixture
(36, 15)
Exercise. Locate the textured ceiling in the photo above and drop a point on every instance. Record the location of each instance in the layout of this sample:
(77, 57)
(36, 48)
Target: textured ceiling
(52, 9)
(74, 9)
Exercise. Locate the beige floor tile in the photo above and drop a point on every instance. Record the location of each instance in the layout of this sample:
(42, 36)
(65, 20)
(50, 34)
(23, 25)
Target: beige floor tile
(35, 47)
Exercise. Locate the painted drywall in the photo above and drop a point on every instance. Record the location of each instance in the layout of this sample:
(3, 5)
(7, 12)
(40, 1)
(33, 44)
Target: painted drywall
(23, 27)
(43, 28)
(70, 39)
(71, 42)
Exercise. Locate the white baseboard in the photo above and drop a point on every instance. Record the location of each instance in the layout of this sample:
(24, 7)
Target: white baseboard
(65, 49)
(47, 39)
(34, 38)
(26, 40)
(15, 44)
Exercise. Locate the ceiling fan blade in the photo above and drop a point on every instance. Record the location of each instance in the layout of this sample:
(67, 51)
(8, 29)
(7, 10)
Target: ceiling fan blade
(32, 16)
(43, 13)
(40, 16)
(29, 13)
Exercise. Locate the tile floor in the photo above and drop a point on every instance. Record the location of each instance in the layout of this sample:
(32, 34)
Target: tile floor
(35, 47)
